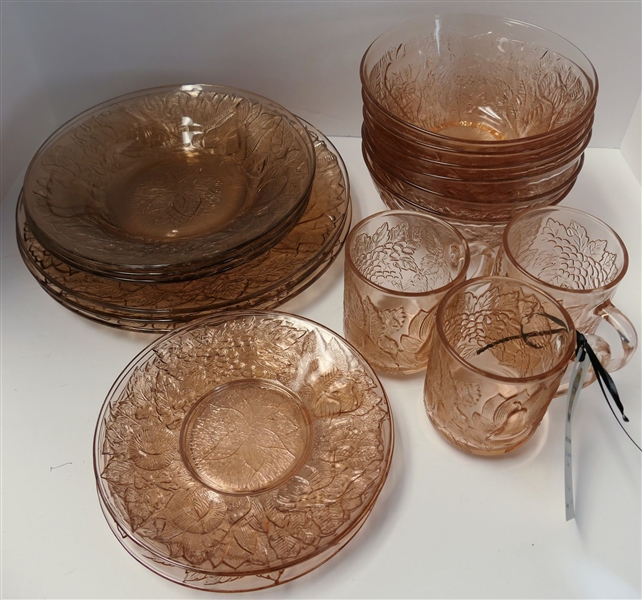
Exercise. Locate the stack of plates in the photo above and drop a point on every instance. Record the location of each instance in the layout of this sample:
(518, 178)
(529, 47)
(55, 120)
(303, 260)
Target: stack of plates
(242, 450)
(173, 203)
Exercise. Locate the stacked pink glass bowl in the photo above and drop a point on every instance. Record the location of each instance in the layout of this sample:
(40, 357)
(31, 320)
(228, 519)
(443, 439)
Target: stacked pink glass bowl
(475, 118)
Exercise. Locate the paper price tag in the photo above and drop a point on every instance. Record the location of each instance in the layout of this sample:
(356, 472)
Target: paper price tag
(578, 375)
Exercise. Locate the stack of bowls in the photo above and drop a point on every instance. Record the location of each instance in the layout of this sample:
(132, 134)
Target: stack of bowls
(172, 203)
(475, 118)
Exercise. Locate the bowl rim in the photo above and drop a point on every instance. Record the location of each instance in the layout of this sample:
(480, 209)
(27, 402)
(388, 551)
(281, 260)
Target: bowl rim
(540, 172)
(164, 270)
(591, 77)
(302, 274)
(412, 205)
(535, 157)
(423, 190)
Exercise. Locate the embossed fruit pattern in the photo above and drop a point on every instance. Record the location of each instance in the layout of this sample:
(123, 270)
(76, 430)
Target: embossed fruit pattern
(510, 326)
(564, 255)
(154, 494)
(496, 332)
(389, 258)
(399, 258)
(531, 91)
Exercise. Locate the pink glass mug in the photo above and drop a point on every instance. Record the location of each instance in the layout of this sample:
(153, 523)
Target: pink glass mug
(497, 355)
(399, 265)
(577, 259)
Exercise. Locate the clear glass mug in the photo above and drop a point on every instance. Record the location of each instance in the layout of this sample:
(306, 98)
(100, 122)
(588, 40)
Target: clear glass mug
(499, 350)
(577, 259)
(399, 264)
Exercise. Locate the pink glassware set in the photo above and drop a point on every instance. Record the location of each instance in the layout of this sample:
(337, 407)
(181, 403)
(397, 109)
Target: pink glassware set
(246, 447)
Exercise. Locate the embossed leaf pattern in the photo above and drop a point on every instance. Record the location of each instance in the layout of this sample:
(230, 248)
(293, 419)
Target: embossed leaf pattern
(428, 83)
(525, 247)
(162, 503)
(441, 388)
(418, 337)
(373, 330)
(570, 259)
(320, 223)
(383, 256)
(251, 443)
(482, 419)
(67, 193)
(206, 580)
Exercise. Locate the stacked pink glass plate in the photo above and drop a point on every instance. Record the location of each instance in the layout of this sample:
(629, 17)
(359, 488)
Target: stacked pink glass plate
(173, 203)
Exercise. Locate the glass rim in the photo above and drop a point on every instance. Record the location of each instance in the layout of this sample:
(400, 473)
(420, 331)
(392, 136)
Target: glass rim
(305, 270)
(569, 164)
(216, 320)
(539, 165)
(510, 147)
(591, 78)
(477, 205)
(561, 209)
(459, 220)
(216, 258)
(349, 262)
(579, 130)
(559, 366)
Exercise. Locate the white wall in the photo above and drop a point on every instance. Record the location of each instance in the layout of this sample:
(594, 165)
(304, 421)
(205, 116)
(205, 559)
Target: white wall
(59, 58)
(632, 143)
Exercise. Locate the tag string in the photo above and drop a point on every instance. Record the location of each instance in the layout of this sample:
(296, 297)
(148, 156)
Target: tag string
(605, 381)
(525, 336)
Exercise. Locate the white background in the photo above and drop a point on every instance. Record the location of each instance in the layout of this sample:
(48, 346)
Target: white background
(447, 525)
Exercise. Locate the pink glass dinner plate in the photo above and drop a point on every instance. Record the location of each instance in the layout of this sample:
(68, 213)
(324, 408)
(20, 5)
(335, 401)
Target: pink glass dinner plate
(242, 450)
(264, 282)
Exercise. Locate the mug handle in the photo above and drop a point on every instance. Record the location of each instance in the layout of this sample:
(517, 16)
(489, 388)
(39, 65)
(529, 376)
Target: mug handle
(628, 338)
(482, 260)
(626, 332)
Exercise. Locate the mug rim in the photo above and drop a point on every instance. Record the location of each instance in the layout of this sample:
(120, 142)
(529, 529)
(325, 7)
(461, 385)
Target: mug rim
(560, 366)
(349, 262)
(539, 282)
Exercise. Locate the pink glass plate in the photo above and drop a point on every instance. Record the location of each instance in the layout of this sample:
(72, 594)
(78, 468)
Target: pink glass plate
(241, 449)
(264, 282)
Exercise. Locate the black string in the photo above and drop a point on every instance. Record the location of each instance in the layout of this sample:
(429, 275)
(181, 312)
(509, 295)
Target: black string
(601, 374)
(521, 336)
(525, 336)
(605, 380)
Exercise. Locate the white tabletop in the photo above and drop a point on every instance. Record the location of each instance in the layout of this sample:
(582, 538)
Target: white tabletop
(447, 525)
